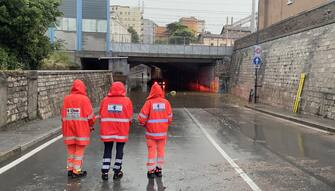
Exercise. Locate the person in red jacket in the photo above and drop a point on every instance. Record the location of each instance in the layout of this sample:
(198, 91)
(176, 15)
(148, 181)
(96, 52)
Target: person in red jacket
(116, 112)
(156, 116)
(77, 122)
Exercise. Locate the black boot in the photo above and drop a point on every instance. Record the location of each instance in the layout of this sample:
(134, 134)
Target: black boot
(151, 174)
(104, 176)
(69, 173)
(158, 172)
(118, 175)
(79, 174)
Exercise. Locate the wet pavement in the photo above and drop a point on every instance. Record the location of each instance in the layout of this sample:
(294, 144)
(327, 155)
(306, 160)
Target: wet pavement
(275, 154)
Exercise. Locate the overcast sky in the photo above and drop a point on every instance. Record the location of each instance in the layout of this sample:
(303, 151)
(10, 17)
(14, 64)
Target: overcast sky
(214, 12)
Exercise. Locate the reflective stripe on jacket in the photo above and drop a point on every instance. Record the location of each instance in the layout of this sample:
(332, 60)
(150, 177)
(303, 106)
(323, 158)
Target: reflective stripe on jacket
(77, 116)
(116, 111)
(156, 114)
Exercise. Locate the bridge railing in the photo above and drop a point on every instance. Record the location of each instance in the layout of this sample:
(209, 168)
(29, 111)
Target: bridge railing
(171, 49)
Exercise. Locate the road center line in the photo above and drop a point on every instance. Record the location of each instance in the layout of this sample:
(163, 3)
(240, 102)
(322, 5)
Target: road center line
(28, 155)
(242, 174)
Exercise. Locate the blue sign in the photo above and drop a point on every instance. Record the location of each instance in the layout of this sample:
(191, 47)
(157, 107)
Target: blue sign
(257, 60)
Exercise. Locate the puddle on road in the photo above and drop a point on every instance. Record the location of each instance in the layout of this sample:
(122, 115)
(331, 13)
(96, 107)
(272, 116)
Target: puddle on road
(308, 150)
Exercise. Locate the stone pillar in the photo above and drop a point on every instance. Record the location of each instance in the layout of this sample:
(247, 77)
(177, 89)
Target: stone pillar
(3, 99)
(32, 94)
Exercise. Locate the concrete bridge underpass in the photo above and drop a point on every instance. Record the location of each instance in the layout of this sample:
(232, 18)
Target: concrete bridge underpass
(184, 67)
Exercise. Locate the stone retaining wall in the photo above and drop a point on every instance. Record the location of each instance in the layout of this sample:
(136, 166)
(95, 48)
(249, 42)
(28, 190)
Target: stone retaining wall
(311, 52)
(28, 95)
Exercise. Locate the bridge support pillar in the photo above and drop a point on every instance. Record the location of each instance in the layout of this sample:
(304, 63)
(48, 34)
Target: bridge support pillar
(119, 66)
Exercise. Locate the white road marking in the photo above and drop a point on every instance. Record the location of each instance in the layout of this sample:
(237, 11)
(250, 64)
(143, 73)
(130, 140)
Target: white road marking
(28, 155)
(286, 120)
(243, 175)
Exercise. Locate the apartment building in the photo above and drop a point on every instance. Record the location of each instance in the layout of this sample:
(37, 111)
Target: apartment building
(129, 17)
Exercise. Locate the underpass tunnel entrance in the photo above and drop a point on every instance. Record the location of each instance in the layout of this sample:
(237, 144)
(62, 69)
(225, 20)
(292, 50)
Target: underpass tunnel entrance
(94, 64)
(180, 74)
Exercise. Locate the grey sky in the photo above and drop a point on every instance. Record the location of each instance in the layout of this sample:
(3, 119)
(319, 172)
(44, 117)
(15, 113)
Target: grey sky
(213, 11)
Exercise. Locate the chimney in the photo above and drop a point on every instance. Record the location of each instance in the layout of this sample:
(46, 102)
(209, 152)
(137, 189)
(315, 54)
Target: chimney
(232, 20)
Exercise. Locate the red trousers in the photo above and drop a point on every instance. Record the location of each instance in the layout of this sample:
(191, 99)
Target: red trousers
(156, 152)
(75, 156)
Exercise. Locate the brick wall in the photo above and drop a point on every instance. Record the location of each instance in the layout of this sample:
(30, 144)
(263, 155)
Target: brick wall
(311, 51)
(30, 94)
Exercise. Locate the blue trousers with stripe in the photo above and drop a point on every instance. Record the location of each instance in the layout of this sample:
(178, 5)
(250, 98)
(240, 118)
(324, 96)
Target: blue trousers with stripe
(108, 156)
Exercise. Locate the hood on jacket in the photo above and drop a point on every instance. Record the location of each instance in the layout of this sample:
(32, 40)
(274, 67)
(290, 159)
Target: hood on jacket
(78, 87)
(156, 91)
(117, 89)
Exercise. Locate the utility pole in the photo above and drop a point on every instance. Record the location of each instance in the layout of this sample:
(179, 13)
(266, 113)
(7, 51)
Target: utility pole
(253, 17)
(257, 42)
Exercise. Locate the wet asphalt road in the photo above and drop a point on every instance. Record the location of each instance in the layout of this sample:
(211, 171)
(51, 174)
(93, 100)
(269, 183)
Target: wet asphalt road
(275, 154)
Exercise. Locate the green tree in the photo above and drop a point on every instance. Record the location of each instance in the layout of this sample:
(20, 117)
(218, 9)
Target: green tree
(134, 35)
(23, 25)
(180, 34)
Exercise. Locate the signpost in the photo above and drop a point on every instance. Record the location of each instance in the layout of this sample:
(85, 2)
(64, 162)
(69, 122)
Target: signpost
(257, 62)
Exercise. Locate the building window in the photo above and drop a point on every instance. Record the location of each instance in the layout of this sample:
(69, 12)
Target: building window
(89, 25)
(92, 25)
(101, 26)
(289, 2)
(67, 24)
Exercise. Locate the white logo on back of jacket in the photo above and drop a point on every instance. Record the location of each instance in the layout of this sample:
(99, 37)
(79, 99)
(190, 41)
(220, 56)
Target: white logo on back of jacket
(73, 113)
(115, 108)
(158, 106)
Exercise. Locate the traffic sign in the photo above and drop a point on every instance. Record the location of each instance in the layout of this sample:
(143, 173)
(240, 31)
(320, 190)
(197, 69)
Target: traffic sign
(257, 60)
(257, 51)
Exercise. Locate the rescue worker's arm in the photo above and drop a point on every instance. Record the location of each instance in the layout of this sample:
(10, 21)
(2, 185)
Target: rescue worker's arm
(144, 114)
(169, 112)
(90, 114)
(62, 113)
(130, 111)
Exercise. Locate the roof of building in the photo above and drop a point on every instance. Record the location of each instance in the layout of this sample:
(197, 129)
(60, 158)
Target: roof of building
(235, 28)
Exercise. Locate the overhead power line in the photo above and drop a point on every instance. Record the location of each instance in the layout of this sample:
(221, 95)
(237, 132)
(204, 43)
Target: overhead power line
(196, 10)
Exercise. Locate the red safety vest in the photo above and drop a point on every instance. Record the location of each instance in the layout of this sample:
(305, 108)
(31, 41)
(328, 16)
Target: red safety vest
(116, 112)
(77, 116)
(156, 114)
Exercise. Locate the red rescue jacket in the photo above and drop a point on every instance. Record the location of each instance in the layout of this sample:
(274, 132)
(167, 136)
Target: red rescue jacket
(156, 114)
(77, 116)
(116, 112)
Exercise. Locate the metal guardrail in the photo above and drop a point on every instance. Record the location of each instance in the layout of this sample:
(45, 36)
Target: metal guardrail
(199, 50)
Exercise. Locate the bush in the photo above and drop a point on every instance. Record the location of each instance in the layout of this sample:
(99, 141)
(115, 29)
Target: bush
(59, 61)
(8, 61)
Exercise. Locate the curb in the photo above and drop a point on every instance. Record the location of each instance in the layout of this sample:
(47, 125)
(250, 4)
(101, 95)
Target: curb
(28, 145)
(295, 119)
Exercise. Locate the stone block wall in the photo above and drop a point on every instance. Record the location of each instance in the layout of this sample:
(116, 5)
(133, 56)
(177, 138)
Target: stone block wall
(17, 98)
(311, 52)
(27, 95)
(53, 86)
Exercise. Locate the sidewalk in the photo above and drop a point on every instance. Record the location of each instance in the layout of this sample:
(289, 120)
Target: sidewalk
(313, 121)
(14, 141)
